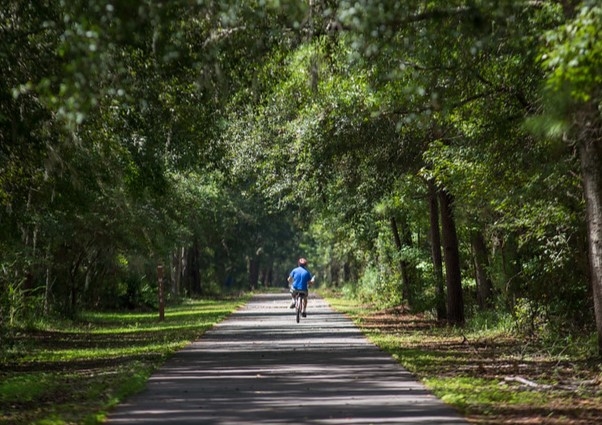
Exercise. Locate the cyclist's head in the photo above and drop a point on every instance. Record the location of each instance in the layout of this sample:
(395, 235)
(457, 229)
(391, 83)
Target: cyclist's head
(302, 262)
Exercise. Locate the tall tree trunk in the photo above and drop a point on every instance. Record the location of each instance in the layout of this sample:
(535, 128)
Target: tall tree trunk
(266, 273)
(437, 257)
(253, 272)
(590, 154)
(406, 240)
(178, 270)
(47, 292)
(193, 269)
(270, 276)
(403, 265)
(334, 272)
(451, 257)
(481, 265)
(346, 272)
(74, 284)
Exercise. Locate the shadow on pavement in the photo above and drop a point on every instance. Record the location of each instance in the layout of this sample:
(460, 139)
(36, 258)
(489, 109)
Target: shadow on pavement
(259, 366)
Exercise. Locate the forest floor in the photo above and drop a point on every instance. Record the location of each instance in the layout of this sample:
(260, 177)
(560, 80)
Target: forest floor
(492, 378)
(63, 375)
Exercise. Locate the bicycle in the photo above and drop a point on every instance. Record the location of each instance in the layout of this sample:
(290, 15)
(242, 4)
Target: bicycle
(299, 297)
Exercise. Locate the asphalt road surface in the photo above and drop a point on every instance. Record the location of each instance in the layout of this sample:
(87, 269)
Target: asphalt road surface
(260, 367)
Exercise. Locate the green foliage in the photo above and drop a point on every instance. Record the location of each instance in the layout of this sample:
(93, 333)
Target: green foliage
(460, 392)
(378, 287)
(573, 55)
(491, 322)
(222, 139)
(110, 120)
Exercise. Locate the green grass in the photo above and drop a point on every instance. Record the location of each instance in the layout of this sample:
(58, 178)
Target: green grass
(72, 372)
(473, 368)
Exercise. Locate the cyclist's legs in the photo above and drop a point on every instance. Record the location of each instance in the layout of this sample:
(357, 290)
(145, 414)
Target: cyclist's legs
(304, 299)
(294, 292)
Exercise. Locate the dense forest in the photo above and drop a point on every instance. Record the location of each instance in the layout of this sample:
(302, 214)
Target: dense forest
(443, 155)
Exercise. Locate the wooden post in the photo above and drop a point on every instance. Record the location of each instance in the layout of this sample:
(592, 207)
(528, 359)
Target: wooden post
(161, 293)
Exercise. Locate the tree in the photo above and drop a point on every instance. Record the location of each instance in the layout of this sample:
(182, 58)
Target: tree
(102, 105)
(572, 58)
(236, 136)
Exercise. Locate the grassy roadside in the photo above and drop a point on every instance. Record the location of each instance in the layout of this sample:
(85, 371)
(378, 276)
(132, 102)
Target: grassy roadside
(489, 375)
(72, 373)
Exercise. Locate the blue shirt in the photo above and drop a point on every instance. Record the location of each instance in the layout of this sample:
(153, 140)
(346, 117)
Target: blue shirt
(301, 278)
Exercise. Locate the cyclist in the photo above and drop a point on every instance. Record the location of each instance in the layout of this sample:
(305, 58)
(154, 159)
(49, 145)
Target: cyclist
(299, 279)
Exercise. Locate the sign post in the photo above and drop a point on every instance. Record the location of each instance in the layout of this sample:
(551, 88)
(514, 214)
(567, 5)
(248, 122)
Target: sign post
(161, 293)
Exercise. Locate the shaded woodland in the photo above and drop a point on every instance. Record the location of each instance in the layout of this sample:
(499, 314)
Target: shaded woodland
(443, 155)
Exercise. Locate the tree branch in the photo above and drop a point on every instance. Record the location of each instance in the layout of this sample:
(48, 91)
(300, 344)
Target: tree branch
(453, 106)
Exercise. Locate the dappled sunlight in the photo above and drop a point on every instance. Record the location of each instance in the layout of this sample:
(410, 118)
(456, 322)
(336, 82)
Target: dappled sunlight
(45, 370)
(454, 362)
(262, 367)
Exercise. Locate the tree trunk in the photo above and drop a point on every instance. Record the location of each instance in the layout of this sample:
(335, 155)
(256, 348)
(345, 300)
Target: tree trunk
(193, 269)
(403, 265)
(406, 240)
(253, 273)
(481, 265)
(179, 270)
(590, 154)
(47, 292)
(334, 272)
(346, 272)
(437, 257)
(270, 276)
(74, 284)
(451, 257)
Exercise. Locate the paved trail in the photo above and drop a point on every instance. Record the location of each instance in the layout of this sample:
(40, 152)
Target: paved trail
(260, 367)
